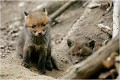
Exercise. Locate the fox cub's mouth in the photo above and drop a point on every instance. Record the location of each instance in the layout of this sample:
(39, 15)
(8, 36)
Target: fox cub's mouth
(40, 33)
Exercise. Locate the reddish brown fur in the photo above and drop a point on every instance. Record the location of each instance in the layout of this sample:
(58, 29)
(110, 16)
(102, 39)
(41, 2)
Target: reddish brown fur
(37, 18)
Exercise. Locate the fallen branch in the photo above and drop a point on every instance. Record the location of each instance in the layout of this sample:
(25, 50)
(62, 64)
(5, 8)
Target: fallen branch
(61, 9)
(49, 6)
(116, 17)
(89, 67)
(117, 64)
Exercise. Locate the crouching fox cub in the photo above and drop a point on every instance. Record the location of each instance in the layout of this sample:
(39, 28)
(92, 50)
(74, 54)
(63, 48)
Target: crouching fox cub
(79, 50)
(34, 42)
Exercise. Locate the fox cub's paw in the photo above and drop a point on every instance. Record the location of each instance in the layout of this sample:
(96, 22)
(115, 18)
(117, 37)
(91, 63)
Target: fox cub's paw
(43, 71)
(49, 65)
(25, 64)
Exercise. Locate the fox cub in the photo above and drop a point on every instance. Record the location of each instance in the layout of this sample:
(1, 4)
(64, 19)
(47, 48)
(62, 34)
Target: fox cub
(79, 50)
(34, 42)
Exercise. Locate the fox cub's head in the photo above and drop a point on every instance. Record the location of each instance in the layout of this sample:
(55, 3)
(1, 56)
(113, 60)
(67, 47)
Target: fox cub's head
(79, 50)
(36, 22)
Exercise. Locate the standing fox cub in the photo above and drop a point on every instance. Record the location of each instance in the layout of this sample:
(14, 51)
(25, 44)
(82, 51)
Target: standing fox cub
(34, 42)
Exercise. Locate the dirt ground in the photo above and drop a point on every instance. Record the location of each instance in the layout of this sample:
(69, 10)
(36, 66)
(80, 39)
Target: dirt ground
(11, 23)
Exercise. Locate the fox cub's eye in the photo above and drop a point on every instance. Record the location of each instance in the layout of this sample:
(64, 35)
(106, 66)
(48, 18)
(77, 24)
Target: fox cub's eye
(33, 26)
(43, 24)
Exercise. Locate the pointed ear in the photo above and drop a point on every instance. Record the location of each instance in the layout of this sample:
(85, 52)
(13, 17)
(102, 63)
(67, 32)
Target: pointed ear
(45, 11)
(70, 43)
(26, 14)
(92, 44)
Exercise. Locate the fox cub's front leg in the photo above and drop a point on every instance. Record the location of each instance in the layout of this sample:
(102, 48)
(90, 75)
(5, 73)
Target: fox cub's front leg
(26, 56)
(48, 63)
(41, 61)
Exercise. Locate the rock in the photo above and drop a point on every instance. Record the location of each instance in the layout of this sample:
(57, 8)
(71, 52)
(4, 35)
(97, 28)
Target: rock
(15, 24)
(21, 4)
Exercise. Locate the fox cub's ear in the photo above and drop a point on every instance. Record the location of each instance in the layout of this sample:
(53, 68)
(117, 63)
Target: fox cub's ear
(92, 44)
(70, 43)
(45, 11)
(26, 14)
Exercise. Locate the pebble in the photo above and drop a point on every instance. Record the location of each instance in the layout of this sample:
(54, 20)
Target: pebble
(13, 25)
(21, 4)
(2, 47)
(2, 28)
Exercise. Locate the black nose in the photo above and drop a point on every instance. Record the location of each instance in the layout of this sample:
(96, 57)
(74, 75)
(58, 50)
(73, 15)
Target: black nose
(39, 33)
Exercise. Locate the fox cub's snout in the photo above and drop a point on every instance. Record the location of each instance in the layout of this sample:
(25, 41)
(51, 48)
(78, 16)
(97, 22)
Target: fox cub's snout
(37, 22)
(38, 31)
